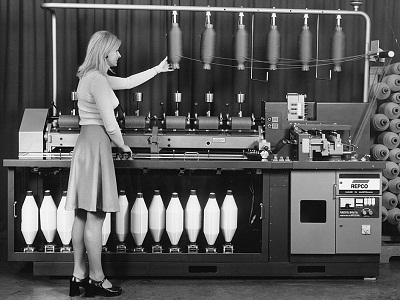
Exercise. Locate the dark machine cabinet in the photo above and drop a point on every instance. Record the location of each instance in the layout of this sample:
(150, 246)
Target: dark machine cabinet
(263, 242)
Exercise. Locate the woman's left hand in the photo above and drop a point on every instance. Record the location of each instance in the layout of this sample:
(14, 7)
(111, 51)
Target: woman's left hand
(164, 66)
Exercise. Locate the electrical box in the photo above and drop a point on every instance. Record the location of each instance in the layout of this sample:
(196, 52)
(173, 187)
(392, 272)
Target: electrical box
(335, 212)
(358, 206)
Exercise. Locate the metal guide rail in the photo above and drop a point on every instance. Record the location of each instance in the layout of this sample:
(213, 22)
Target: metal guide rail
(356, 12)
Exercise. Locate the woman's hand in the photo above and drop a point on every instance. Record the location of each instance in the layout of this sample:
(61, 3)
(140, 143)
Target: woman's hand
(164, 66)
(126, 150)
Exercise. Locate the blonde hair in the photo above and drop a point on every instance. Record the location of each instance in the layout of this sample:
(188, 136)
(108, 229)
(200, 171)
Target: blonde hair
(100, 45)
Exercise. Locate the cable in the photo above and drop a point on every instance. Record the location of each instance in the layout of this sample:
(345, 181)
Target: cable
(391, 27)
(251, 188)
(327, 62)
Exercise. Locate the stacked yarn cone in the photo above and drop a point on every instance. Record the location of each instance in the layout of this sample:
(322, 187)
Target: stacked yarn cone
(385, 125)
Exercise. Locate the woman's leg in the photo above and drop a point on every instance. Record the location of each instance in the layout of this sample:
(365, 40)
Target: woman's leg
(93, 242)
(79, 244)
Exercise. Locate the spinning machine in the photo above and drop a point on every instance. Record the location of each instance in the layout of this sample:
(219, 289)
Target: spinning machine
(290, 193)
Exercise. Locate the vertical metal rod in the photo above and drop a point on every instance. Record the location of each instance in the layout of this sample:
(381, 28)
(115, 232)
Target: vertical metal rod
(366, 58)
(317, 61)
(54, 58)
(252, 46)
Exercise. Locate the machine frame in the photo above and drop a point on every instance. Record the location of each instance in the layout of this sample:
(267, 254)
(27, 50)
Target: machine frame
(274, 259)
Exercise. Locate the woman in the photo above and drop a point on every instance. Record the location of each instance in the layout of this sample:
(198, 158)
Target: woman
(92, 188)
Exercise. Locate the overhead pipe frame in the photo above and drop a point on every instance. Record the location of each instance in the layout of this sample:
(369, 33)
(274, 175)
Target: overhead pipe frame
(52, 6)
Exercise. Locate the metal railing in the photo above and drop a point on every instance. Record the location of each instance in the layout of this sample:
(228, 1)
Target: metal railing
(52, 6)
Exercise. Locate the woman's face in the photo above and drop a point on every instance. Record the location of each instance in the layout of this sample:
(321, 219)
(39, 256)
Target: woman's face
(112, 58)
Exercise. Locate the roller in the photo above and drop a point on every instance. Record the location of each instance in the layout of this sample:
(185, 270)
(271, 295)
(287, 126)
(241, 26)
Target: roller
(379, 90)
(379, 152)
(241, 123)
(379, 122)
(395, 97)
(338, 45)
(391, 170)
(68, 122)
(175, 122)
(273, 44)
(384, 213)
(394, 185)
(393, 69)
(305, 45)
(175, 42)
(394, 125)
(241, 42)
(207, 47)
(394, 155)
(389, 200)
(135, 122)
(208, 123)
(394, 216)
(393, 81)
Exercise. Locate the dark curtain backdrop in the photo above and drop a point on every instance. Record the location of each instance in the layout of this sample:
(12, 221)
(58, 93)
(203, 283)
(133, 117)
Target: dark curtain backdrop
(26, 68)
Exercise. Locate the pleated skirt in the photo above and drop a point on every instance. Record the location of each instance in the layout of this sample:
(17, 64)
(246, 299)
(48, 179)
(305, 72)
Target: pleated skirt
(92, 184)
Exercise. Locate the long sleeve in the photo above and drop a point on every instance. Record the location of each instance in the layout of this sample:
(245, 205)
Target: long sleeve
(103, 94)
(119, 83)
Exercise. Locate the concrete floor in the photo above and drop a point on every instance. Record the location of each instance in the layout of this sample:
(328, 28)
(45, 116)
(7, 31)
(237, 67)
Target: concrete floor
(17, 282)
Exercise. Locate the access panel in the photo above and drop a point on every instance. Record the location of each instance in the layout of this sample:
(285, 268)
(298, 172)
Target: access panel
(312, 212)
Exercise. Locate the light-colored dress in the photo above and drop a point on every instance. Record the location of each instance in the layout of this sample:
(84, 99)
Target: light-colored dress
(92, 184)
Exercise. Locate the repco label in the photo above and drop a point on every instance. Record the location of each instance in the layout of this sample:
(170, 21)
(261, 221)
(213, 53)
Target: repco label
(364, 185)
(359, 184)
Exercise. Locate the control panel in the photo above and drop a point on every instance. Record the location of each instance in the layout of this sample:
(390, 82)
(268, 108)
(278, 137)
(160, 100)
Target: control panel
(358, 207)
(358, 222)
(362, 195)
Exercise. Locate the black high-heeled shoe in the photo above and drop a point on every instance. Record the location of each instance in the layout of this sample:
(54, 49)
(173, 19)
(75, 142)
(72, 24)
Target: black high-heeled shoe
(96, 288)
(74, 285)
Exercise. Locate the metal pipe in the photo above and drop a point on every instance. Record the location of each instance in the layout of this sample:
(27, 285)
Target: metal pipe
(196, 8)
(54, 57)
(54, 50)
(50, 6)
